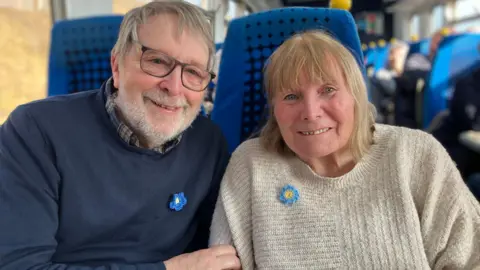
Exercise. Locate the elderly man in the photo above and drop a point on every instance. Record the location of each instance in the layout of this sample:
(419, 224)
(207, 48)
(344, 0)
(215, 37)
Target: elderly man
(125, 177)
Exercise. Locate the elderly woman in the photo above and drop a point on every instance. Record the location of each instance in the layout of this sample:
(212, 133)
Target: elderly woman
(325, 187)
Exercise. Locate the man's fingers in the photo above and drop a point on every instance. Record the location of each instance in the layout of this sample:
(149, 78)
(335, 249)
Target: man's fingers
(221, 250)
(229, 262)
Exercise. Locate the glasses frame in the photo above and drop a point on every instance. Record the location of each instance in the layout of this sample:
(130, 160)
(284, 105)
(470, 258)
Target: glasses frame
(177, 63)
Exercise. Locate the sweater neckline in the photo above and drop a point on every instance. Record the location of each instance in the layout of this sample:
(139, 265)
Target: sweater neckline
(361, 172)
(101, 99)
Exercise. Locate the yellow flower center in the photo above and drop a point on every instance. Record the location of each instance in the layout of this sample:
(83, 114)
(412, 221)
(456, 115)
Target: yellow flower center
(288, 194)
(177, 201)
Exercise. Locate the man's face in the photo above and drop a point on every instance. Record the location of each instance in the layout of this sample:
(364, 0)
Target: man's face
(159, 108)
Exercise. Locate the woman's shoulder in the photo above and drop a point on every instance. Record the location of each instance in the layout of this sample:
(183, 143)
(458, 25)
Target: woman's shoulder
(406, 138)
(248, 146)
(413, 146)
(252, 157)
(420, 156)
(252, 149)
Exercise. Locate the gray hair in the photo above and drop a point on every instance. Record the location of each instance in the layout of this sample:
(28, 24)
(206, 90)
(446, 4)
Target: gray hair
(189, 16)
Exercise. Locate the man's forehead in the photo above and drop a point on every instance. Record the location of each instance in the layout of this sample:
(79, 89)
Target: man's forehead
(163, 33)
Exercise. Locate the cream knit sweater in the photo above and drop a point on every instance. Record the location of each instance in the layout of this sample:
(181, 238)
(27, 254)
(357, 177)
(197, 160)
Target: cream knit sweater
(403, 206)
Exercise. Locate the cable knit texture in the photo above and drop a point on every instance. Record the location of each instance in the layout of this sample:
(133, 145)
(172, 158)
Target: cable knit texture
(403, 206)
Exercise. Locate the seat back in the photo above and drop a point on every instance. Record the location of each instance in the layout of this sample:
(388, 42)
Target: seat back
(457, 56)
(371, 57)
(421, 47)
(381, 58)
(80, 53)
(250, 40)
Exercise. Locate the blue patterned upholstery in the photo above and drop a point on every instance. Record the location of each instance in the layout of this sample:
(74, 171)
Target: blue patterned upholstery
(80, 53)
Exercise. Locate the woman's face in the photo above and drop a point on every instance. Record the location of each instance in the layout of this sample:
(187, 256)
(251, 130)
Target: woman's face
(316, 120)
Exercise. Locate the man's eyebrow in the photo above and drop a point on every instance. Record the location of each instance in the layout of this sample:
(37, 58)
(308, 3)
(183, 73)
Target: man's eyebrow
(196, 63)
(190, 62)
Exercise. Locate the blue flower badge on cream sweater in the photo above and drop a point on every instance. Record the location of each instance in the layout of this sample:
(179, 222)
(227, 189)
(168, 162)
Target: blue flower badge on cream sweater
(178, 201)
(289, 195)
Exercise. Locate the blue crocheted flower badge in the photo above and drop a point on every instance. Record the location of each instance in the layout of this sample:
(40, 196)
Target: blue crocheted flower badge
(178, 201)
(289, 195)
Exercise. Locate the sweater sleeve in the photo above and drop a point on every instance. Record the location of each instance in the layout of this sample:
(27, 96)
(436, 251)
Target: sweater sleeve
(449, 213)
(232, 219)
(29, 196)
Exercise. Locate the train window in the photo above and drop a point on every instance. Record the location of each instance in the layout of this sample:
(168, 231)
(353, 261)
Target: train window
(25, 28)
(415, 25)
(466, 9)
(438, 18)
(201, 3)
(123, 6)
(467, 15)
(468, 26)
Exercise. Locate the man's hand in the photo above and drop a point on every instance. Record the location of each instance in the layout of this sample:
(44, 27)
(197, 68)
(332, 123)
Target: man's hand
(222, 257)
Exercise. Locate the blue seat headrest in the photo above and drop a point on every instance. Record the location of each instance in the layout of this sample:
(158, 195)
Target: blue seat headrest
(457, 56)
(80, 53)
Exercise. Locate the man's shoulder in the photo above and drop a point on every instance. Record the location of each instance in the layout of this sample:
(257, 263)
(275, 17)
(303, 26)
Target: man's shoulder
(205, 133)
(57, 111)
(59, 105)
(204, 126)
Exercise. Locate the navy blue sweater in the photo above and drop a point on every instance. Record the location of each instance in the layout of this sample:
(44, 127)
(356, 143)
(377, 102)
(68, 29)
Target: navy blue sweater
(74, 195)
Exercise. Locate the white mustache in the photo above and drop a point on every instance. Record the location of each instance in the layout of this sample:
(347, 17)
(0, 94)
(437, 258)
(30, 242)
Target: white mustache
(162, 98)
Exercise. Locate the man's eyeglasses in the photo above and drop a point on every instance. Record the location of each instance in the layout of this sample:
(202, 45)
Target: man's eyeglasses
(161, 65)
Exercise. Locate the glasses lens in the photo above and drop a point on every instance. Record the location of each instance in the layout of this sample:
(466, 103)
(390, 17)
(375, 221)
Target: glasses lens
(159, 64)
(156, 64)
(195, 78)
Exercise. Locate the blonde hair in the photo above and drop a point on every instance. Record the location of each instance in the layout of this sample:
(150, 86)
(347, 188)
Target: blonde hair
(305, 54)
(402, 49)
(189, 16)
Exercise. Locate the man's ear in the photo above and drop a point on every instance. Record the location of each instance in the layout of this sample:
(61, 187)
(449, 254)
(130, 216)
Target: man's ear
(115, 65)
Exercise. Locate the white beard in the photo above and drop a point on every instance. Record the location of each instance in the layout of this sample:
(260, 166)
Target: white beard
(163, 128)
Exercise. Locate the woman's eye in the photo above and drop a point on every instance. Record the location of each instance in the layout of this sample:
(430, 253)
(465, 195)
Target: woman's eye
(328, 90)
(290, 97)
